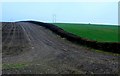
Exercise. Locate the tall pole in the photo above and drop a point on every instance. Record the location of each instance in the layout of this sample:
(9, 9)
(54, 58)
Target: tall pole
(54, 18)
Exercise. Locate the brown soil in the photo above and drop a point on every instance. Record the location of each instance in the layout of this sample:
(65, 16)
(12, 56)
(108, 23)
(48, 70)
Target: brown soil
(43, 52)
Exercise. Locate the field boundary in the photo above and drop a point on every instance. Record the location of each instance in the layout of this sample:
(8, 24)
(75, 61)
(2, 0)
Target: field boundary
(106, 46)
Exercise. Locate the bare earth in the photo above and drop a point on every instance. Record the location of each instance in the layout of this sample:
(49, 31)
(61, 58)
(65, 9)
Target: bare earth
(39, 51)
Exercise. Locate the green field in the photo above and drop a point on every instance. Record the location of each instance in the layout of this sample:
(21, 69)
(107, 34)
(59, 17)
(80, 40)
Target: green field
(100, 33)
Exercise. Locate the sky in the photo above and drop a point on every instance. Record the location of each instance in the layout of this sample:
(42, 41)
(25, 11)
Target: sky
(66, 12)
(59, 0)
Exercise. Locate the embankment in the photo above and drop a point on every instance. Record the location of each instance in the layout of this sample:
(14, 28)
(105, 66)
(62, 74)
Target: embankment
(106, 46)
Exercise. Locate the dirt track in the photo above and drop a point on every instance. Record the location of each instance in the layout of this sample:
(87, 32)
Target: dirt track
(42, 51)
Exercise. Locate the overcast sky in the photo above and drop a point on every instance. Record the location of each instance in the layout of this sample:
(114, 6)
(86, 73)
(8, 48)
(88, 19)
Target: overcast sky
(71, 12)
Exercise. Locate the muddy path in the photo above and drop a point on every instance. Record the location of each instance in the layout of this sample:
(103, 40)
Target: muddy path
(31, 49)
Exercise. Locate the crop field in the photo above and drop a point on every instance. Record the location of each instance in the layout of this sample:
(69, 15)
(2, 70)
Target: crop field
(100, 33)
(29, 48)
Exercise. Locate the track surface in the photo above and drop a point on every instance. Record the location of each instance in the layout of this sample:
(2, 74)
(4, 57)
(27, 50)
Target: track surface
(43, 52)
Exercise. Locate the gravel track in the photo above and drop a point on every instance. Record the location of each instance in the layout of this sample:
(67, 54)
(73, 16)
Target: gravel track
(43, 52)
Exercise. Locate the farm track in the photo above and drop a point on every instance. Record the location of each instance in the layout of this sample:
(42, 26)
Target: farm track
(42, 51)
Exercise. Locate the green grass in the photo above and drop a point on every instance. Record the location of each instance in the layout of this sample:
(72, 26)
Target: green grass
(11, 66)
(100, 33)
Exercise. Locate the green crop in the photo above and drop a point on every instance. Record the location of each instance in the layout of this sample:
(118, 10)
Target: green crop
(100, 33)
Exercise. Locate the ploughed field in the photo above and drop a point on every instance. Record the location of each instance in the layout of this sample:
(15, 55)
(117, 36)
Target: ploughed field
(13, 38)
(32, 49)
(100, 33)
